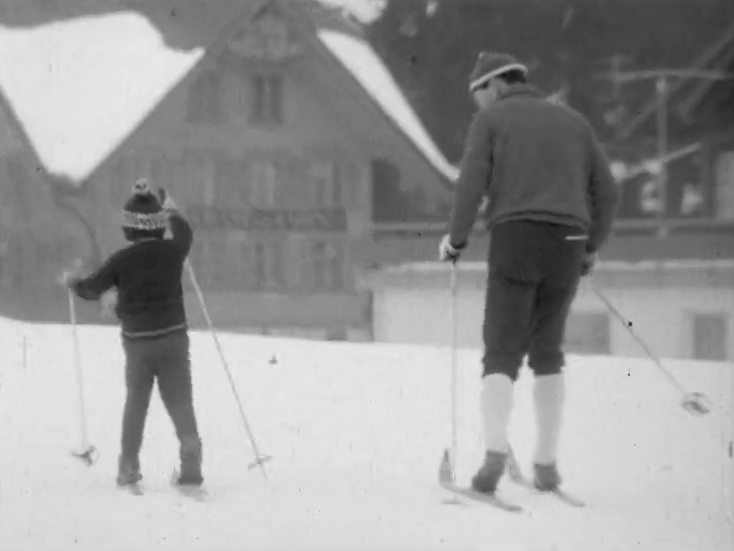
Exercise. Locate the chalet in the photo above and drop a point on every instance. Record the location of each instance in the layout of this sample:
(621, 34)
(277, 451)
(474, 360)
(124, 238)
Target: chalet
(276, 128)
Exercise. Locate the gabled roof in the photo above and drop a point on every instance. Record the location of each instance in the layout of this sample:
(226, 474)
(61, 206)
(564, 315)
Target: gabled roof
(79, 82)
(363, 65)
(367, 68)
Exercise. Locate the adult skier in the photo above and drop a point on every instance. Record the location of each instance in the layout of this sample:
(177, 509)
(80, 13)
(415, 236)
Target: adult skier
(550, 204)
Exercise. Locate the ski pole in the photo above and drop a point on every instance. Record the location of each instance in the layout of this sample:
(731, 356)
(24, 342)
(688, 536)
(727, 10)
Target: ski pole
(694, 403)
(86, 453)
(259, 459)
(447, 470)
(454, 368)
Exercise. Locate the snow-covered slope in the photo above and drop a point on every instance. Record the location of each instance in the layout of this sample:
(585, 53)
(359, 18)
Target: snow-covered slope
(357, 432)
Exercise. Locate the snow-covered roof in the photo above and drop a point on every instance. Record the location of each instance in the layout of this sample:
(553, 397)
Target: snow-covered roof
(366, 66)
(80, 86)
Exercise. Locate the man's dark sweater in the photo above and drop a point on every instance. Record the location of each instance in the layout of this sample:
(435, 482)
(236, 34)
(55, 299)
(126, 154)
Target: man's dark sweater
(147, 275)
(534, 160)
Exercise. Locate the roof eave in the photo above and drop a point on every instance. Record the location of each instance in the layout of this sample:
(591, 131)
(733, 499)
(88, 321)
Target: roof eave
(298, 16)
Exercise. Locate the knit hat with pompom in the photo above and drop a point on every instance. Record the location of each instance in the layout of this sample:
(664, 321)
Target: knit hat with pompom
(143, 210)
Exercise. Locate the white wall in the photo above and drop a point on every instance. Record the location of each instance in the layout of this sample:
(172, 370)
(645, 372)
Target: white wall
(414, 306)
(422, 315)
(662, 317)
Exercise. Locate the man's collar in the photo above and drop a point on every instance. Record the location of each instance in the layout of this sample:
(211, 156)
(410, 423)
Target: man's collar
(517, 90)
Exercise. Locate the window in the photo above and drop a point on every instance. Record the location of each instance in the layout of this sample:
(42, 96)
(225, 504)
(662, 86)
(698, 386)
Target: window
(204, 103)
(263, 183)
(267, 99)
(709, 336)
(323, 179)
(214, 263)
(724, 177)
(231, 182)
(244, 265)
(229, 270)
(212, 259)
(199, 176)
(268, 265)
(588, 333)
(328, 265)
(391, 201)
(260, 265)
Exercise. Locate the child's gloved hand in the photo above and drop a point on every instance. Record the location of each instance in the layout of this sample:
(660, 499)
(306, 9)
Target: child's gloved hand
(72, 275)
(108, 303)
(166, 201)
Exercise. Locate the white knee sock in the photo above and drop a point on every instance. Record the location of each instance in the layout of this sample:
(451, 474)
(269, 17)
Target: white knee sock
(549, 394)
(496, 404)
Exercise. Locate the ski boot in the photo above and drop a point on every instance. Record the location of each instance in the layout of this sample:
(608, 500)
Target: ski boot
(546, 478)
(128, 471)
(486, 479)
(191, 458)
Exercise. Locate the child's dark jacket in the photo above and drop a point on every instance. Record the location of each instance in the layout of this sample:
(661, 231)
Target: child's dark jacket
(147, 275)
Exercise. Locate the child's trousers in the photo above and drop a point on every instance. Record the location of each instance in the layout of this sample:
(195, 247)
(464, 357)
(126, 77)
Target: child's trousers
(165, 359)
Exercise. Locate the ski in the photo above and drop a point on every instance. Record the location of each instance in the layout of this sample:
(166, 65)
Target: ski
(488, 499)
(558, 493)
(516, 475)
(569, 499)
(446, 480)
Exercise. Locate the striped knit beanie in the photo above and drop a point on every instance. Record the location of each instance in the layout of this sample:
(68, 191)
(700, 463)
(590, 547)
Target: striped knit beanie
(143, 210)
(490, 65)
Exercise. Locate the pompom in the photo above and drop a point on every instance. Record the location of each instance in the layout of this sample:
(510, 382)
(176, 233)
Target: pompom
(141, 187)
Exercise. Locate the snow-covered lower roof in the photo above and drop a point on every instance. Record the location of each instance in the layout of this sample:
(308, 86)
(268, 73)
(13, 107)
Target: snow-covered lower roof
(80, 86)
(369, 70)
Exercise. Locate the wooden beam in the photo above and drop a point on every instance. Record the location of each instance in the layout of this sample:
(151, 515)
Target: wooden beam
(702, 61)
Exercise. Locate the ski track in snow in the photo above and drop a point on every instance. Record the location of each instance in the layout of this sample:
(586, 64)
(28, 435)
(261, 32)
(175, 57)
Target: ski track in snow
(357, 432)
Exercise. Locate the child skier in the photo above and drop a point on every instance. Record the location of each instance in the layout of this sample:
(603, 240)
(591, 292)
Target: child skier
(146, 276)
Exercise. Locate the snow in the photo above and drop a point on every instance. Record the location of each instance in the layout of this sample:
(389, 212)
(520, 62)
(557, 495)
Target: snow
(369, 70)
(77, 102)
(357, 432)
